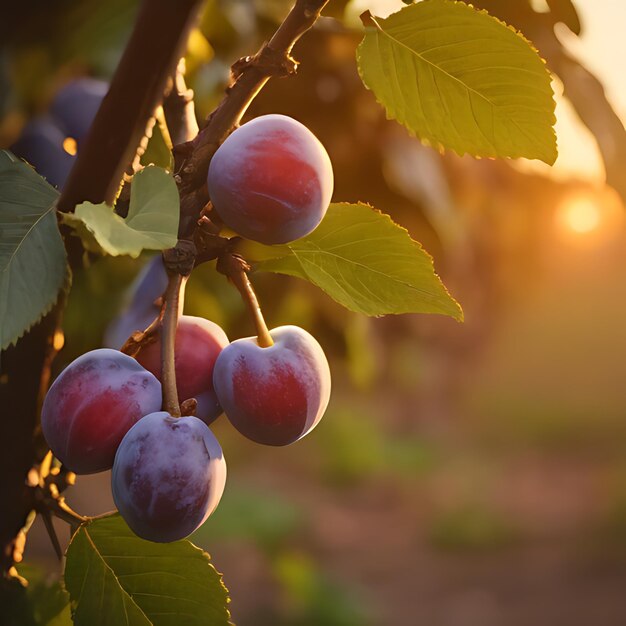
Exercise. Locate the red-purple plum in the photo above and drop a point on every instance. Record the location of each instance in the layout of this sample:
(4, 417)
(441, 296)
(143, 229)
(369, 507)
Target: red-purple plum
(273, 395)
(198, 343)
(271, 180)
(168, 476)
(92, 405)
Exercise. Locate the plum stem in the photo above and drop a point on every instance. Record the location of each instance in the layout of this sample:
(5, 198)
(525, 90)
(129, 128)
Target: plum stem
(168, 344)
(242, 282)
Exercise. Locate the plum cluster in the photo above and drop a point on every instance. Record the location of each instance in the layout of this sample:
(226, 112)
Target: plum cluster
(271, 181)
(104, 411)
(50, 142)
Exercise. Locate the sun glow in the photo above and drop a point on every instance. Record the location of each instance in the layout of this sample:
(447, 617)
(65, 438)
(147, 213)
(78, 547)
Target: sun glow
(582, 215)
(588, 214)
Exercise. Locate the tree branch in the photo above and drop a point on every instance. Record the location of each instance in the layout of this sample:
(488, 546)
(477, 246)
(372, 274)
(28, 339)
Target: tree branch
(179, 109)
(150, 57)
(155, 46)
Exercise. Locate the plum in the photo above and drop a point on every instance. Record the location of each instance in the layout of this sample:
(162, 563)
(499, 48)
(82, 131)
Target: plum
(198, 343)
(76, 104)
(142, 307)
(271, 180)
(168, 476)
(273, 395)
(41, 145)
(92, 405)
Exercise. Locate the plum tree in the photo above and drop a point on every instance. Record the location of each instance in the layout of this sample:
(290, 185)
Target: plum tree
(91, 406)
(198, 344)
(76, 104)
(41, 145)
(271, 180)
(168, 476)
(273, 395)
(142, 306)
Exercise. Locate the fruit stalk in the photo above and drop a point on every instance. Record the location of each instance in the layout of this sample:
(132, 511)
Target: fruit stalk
(168, 344)
(242, 282)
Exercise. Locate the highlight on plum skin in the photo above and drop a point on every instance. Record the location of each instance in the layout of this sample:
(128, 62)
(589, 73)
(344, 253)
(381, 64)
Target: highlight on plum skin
(168, 477)
(198, 344)
(274, 395)
(92, 405)
(271, 180)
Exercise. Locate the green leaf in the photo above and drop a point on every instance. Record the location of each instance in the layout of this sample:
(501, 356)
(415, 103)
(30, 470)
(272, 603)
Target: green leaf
(33, 267)
(364, 261)
(114, 577)
(460, 79)
(152, 222)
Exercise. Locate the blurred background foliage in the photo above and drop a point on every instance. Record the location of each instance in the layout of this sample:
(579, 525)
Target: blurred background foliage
(464, 475)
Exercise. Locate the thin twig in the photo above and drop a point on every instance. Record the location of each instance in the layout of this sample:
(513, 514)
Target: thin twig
(179, 109)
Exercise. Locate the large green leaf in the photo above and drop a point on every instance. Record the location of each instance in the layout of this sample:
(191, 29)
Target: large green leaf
(33, 267)
(151, 224)
(363, 260)
(460, 79)
(114, 577)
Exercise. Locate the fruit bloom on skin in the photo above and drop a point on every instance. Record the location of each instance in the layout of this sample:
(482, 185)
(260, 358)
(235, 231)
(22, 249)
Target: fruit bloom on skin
(140, 310)
(92, 405)
(198, 344)
(168, 476)
(271, 180)
(273, 395)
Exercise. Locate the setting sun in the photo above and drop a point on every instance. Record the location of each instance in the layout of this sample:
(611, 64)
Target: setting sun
(584, 214)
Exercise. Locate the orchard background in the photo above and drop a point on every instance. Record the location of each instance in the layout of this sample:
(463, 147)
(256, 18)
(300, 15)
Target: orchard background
(464, 473)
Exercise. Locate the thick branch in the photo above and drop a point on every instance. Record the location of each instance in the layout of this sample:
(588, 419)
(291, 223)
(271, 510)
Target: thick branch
(137, 87)
(150, 58)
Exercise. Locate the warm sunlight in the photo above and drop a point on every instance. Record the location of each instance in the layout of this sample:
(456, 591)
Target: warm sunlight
(70, 146)
(582, 215)
(587, 213)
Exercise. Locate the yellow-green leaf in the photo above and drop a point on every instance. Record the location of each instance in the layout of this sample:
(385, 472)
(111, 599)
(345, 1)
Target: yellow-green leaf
(461, 80)
(364, 261)
(152, 221)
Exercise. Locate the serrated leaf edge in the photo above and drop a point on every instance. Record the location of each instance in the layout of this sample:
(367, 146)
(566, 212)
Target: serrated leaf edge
(375, 26)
